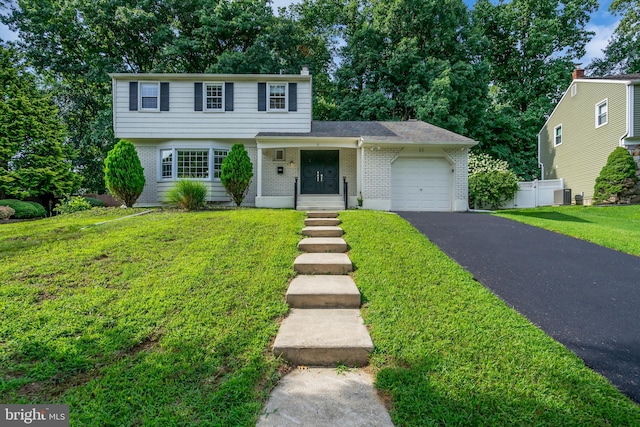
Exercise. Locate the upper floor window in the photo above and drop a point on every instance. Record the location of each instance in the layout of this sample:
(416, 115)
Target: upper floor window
(557, 135)
(149, 96)
(602, 113)
(277, 97)
(214, 96)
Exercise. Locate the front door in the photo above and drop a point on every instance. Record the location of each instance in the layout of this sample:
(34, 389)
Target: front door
(320, 170)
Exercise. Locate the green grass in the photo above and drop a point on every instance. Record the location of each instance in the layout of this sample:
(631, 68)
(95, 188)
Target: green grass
(616, 227)
(449, 352)
(160, 319)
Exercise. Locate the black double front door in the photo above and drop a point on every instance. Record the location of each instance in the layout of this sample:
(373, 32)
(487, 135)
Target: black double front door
(320, 172)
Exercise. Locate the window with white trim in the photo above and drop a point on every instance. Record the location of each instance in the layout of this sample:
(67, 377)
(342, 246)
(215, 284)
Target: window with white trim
(277, 97)
(214, 96)
(149, 96)
(574, 89)
(218, 158)
(192, 163)
(557, 135)
(166, 163)
(602, 113)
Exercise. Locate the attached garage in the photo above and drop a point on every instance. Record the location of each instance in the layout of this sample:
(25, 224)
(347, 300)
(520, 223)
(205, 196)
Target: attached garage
(421, 184)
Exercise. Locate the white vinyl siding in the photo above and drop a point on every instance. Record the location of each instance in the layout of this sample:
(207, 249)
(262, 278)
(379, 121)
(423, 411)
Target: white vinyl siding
(149, 96)
(602, 113)
(182, 122)
(557, 135)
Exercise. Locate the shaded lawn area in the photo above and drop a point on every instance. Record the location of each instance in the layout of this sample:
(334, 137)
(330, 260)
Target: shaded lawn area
(161, 319)
(449, 352)
(167, 319)
(616, 227)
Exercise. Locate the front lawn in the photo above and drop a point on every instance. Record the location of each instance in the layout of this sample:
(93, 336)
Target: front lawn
(449, 352)
(616, 227)
(167, 319)
(162, 319)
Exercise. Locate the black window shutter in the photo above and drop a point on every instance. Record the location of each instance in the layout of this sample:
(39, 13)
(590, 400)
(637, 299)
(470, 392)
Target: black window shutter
(262, 97)
(293, 96)
(164, 96)
(228, 96)
(133, 96)
(197, 97)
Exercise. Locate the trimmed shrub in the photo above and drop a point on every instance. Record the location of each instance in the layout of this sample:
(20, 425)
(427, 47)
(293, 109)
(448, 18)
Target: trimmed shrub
(72, 204)
(123, 173)
(617, 178)
(96, 203)
(6, 212)
(25, 210)
(491, 181)
(189, 195)
(236, 172)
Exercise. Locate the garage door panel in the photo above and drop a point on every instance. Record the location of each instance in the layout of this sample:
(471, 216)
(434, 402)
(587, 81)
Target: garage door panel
(421, 184)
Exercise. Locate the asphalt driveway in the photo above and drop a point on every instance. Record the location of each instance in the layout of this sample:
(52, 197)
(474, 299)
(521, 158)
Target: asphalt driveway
(584, 296)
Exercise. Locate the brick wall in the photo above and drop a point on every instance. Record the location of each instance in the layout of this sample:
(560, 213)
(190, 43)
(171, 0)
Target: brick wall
(376, 177)
(148, 158)
(459, 157)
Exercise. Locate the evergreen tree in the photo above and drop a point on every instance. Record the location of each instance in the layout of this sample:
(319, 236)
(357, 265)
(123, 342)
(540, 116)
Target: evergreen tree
(236, 172)
(617, 178)
(123, 173)
(33, 162)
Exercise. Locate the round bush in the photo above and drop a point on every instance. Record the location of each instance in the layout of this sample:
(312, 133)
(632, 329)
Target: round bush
(73, 204)
(6, 212)
(617, 178)
(96, 203)
(25, 210)
(491, 181)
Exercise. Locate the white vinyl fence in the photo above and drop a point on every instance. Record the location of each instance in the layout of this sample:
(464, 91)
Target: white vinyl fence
(535, 193)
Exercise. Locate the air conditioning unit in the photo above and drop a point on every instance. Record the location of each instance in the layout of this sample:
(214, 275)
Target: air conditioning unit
(562, 197)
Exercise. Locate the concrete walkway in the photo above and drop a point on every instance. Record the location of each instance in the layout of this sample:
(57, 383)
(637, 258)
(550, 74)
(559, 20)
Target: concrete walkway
(324, 328)
(585, 296)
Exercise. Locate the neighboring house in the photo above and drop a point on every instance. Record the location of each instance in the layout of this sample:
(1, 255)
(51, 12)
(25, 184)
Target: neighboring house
(594, 116)
(183, 126)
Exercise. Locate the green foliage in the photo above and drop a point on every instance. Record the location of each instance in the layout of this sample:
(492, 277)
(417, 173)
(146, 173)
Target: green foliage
(96, 203)
(72, 204)
(189, 195)
(123, 173)
(236, 173)
(33, 160)
(616, 179)
(25, 210)
(6, 212)
(491, 181)
(458, 360)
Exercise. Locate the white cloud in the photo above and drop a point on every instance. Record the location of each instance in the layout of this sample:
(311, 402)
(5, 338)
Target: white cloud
(599, 41)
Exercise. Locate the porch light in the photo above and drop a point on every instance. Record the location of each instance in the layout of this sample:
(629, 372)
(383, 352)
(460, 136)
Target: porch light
(291, 164)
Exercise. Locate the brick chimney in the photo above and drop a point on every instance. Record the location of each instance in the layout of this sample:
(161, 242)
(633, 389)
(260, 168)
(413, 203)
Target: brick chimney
(578, 73)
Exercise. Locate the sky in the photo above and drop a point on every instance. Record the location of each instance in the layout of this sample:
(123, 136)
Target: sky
(602, 23)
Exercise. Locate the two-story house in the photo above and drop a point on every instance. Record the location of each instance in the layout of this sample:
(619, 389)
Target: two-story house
(593, 117)
(183, 126)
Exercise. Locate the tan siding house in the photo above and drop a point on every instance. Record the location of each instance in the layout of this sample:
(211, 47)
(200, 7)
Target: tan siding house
(183, 126)
(593, 118)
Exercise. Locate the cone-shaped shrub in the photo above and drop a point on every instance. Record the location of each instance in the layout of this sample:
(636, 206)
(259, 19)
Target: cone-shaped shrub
(236, 172)
(616, 178)
(123, 173)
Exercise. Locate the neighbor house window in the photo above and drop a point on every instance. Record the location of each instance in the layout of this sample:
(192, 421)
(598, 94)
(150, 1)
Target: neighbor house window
(218, 158)
(149, 96)
(192, 163)
(602, 113)
(214, 96)
(557, 135)
(277, 97)
(166, 162)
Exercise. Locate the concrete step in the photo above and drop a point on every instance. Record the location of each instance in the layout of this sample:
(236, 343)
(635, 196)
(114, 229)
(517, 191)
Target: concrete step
(324, 337)
(322, 231)
(323, 291)
(320, 203)
(323, 263)
(323, 244)
(322, 214)
(315, 222)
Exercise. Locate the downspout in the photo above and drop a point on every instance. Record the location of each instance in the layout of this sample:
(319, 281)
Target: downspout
(540, 164)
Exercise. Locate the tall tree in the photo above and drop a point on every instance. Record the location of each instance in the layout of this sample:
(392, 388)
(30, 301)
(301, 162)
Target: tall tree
(531, 48)
(622, 54)
(33, 162)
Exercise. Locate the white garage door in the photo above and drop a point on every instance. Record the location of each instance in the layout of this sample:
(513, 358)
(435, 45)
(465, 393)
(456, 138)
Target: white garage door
(421, 185)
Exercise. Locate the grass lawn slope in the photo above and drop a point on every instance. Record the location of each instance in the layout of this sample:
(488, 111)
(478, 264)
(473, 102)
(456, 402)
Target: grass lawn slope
(449, 352)
(160, 319)
(616, 227)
